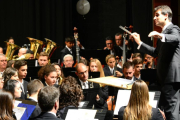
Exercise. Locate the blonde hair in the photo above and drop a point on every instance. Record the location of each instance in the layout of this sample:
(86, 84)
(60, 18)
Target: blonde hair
(138, 107)
(99, 65)
(109, 57)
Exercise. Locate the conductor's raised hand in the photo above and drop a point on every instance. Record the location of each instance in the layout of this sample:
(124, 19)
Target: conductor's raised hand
(136, 37)
(155, 34)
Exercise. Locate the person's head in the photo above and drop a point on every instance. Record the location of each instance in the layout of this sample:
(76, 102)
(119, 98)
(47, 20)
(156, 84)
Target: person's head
(10, 73)
(148, 58)
(34, 86)
(1, 82)
(21, 66)
(71, 93)
(119, 39)
(58, 68)
(110, 60)
(6, 106)
(3, 62)
(138, 63)
(139, 101)
(69, 41)
(43, 59)
(128, 70)
(10, 63)
(48, 74)
(136, 56)
(48, 99)
(68, 61)
(1, 50)
(10, 40)
(82, 71)
(109, 43)
(30, 54)
(22, 51)
(163, 14)
(95, 66)
(14, 87)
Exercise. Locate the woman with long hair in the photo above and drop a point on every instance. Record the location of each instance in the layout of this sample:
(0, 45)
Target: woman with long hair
(95, 66)
(6, 106)
(138, 107)
(48, 75)
(10, 73)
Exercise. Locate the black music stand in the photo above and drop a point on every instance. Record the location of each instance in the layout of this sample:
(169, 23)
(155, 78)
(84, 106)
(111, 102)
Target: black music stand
(98, 54)
(32, 72)
(94, 75)
(149, 75)
(69, 72)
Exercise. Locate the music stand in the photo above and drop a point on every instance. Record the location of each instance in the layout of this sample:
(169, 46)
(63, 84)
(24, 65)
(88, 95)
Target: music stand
(94, 75)
(149, 75)
(69, 72)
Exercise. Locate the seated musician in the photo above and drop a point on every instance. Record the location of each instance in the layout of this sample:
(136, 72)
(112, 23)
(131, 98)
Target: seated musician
(1, 82)
(137, 67)
(43, 59)
(136, 56)
(138, 107)
(71, 95)
(1, 50)
(21, 66)
(29, 55)
(148, 62)
(110, 68)
(33, 89)
(3, 63)
(59, 73)
(68, 61)
(10, 73)
(22, 51)
(10, 40)
(48, 75)
(69, 41)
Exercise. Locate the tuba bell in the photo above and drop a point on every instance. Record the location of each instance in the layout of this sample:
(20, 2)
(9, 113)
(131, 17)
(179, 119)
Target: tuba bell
(36, 46)
(11, 48)
(50, 47)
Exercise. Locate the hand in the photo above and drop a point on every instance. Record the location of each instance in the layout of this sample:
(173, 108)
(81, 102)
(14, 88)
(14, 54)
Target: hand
(105, 48)
(155, 34)
(126, 42)
(162, 114)
(136, 37)
(97, 97)
(118, 74)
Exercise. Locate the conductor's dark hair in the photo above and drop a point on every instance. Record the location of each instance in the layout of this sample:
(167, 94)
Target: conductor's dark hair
(109, 38)
(69, 39)
(127, 65)
(165, 10)
(47, 97)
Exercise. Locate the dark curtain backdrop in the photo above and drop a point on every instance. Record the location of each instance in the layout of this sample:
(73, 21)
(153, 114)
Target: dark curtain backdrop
(55, 19)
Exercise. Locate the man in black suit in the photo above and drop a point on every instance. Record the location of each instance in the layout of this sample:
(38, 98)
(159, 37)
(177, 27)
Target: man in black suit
(168, 52)
(128, 71)
(33, 89)
(69, 41)
(21, 66)
(48, 99)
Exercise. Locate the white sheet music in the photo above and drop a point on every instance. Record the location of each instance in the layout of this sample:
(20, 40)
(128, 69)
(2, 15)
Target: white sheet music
(19, 111)
(81, 104)
(123, 99)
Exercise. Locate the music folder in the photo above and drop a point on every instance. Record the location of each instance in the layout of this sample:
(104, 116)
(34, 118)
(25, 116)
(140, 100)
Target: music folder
(69, 72)
(94, 75)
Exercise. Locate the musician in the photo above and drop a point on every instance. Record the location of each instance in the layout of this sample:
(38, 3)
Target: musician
(128, 71)
(1, 50)
(68, 61)
(43, 59)
(168, 52)
(69, 41)
(21, 66)
(10, 40)
(1, 82)
(148, 62)
(109, 69)
(29, 54)
(138, 63)
(136, 56)
(59, 73)
(22, 51)
(3, 63)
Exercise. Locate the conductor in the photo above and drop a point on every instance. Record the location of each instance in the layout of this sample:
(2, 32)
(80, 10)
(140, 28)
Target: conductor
(168, 65)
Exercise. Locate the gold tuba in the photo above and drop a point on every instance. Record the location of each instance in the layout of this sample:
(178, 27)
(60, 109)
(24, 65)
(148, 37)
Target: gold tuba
(11, 48)
(50, 47)
(36, 46)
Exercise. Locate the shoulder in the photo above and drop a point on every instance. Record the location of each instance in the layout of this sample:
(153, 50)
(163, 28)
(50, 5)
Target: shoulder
(63, 50)
(121, 113)
(156, 114)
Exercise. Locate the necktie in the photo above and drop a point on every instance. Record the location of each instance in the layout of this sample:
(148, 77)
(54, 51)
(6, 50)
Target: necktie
(84, 85)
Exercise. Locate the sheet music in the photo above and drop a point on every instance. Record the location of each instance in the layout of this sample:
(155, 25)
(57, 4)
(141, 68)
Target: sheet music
(81, 104)
(81, 114)
(123, 99)
(16, 103)
(19, 111)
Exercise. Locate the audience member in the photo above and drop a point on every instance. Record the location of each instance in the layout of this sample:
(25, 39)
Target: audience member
(33, 89)
(3, 63)
(10, 73)
(138, 107)
(48, 100)
(137, 67)
(43, 59)
(21, 66)
(48, 75)
(68, 61)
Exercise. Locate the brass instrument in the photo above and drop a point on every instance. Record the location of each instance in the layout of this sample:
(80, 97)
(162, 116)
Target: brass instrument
(11, 48)
(36, 46)
(50, 47)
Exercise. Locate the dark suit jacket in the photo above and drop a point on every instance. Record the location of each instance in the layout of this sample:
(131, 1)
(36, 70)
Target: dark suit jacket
(46, 116)
(24, 94)
(36, 111)
(107, 71)
(168, 52)
(65, 51)
(156, 114)
(119, 52)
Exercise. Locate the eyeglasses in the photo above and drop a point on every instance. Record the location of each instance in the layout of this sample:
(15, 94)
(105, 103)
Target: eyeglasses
(82, 73)
(3, 60)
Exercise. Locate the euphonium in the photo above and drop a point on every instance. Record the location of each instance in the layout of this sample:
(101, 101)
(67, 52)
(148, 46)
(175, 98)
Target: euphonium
(36, 46)
(50, 47)
(11, 48)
